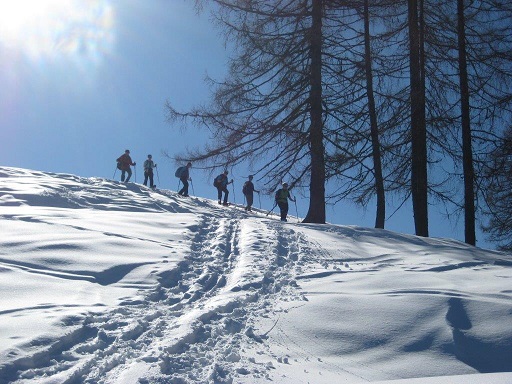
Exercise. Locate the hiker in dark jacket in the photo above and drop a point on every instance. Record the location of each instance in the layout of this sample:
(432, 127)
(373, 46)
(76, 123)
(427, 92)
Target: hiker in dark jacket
(148, 171)
(123, 163)
(221, 183)
(282, 196)
(185, 178)
(248, 191)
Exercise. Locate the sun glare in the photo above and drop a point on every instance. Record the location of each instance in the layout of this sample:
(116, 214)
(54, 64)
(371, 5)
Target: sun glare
(47, 29)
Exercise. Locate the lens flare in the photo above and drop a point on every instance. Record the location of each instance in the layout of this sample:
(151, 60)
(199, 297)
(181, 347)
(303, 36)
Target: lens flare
(53, 29)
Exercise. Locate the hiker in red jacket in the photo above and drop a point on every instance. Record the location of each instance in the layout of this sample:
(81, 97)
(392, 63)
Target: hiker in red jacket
(123, 163)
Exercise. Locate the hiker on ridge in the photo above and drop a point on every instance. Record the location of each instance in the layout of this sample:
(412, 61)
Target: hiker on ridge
(282, 196)
(123, 163)
(221, 183)
(148, 171)
(183, 174)
(248, 191)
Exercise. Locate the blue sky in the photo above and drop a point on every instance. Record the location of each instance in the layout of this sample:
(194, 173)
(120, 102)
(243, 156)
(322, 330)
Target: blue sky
(85, 82)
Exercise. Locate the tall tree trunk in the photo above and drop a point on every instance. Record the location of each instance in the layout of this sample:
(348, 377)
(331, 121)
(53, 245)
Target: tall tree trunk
(467, 151)
(419, 182)
(316, 212)
(374, 131)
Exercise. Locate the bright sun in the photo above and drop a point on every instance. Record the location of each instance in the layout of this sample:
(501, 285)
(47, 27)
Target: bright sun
(16, 15)
(54, 28)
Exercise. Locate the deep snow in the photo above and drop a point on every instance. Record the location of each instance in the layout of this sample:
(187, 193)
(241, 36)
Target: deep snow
(103, 282)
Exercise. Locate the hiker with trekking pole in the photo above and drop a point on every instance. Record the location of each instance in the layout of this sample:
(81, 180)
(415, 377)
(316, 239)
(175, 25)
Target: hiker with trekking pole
(281, 198)
(123, 164)
(248, 191)
(221, 183)
(148, 171)
(183, 174)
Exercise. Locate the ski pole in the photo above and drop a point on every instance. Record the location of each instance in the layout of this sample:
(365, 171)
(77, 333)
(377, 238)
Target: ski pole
(157, 176)
(135, 171)
(234, 196)
(115, 170)
(296, 210)
(179, 182)
(192, 185)
(269, 212)
(259, 198)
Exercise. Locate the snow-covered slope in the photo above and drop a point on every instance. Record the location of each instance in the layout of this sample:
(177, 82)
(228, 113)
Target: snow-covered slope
(103, 282)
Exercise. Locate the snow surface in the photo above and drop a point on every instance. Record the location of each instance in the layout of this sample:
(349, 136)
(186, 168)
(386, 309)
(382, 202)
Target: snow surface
(104, 282)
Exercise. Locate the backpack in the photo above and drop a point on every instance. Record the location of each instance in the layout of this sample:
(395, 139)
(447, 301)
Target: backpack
(179, 172)
(119, 166)
(281, 194)
(245, 189)
(217, 180)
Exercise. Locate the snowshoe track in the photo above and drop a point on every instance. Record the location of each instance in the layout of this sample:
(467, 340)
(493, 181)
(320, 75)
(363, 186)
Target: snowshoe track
(207, 306)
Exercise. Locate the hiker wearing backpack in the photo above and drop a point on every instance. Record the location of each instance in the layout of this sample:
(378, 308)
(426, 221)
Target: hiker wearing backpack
(248, 191)
(148, 171)
(123, 163)
(221, 183)
(184, 175)
(282, 196)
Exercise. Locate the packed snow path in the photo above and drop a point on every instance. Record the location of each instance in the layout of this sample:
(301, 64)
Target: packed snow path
(194, 323)
(162, 289)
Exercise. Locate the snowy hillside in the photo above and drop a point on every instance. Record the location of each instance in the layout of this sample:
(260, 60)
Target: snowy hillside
(103, 282)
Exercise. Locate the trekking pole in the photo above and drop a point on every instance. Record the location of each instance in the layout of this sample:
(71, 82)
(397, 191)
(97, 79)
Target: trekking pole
(234, 196)
(179, 182)
(157, 176)
(296, 211)
(269, 212)
(135, 171)
(259, 198)
(115, 170)
(192, 185)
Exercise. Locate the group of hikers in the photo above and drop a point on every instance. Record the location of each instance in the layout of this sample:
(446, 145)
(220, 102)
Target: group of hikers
(124, 164)
(221, 182)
